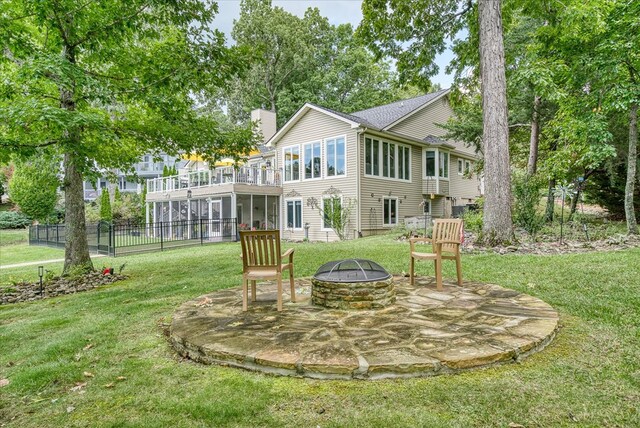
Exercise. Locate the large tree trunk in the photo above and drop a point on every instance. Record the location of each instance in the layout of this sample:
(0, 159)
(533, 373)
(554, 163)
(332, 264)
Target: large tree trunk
(551, 201)
(532, 166)
(632, 160)
(497, 223)
(76, 249)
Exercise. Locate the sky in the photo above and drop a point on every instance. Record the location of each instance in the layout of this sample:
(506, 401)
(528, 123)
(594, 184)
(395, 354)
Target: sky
(337, 11)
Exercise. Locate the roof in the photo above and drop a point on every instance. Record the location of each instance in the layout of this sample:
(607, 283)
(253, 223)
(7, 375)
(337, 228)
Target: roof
(377, 118)
(383, 116)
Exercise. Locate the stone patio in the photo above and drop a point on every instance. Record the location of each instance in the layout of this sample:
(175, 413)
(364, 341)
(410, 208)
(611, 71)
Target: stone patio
(425, 333)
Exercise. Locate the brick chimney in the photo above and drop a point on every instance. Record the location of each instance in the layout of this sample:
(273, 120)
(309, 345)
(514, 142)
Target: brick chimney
(266, 123)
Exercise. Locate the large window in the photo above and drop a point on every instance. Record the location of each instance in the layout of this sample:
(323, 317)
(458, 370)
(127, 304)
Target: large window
(332, 212)
(292, 163)
(336, 157)
(312, 161)
(390, 211)
(460, 167)
(467, 168)
(430, 163)
(395, 159)
(443, 165)
(294, 214)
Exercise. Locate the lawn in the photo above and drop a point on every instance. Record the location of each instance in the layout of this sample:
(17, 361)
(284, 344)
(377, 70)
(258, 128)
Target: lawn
(113, 340)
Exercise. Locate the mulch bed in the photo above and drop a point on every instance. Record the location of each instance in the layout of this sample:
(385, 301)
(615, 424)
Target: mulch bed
(57, 286)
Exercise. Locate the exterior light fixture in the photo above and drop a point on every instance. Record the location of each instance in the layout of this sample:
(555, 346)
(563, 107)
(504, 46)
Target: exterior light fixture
(41, 274)
(189, 194)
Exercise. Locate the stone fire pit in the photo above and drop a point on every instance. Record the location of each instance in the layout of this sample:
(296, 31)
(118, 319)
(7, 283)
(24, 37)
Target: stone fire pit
(352, 284)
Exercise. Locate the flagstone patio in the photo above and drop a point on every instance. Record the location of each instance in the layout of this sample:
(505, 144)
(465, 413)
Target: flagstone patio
(426, 332)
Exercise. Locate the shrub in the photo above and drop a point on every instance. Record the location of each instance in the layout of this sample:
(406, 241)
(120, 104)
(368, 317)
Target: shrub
(526, 191)
(473, 218)
(13, 220)
(105, 206)
(34, 187)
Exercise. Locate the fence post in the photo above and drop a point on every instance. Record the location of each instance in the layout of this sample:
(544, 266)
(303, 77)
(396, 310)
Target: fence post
(112, 239)
(161, 236)
(47, 229)
(201, 233)
(57, 233)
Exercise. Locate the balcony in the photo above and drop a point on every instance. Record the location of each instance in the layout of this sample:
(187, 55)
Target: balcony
(253, 176)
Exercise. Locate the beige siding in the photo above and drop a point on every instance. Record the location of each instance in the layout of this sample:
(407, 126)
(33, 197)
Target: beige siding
(464, 189)
(316, 126)
(425, 122)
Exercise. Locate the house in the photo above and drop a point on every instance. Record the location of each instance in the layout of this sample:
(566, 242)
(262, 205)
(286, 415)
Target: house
(149, 166)
(389, 164)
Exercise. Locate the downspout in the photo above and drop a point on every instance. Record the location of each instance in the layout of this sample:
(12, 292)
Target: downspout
(359, 132)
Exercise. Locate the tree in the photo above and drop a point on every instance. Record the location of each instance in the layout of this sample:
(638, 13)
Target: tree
(335, 212)
(34, 187)
(102, 83)
(300, 60)
(105, 206)
(414, 32)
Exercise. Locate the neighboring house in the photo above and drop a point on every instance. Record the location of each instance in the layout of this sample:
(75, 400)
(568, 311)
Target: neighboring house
(390, 163)
(146, 169)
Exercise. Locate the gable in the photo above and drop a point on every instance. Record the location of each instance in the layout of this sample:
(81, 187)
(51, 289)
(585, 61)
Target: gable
(313, 125)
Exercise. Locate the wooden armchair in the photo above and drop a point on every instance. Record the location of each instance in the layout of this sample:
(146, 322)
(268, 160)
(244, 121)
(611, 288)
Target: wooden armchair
(261, 259)
(445, 245)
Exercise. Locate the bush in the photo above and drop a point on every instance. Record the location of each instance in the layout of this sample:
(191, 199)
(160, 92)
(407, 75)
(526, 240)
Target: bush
(34, 187)
(473, 218)
(13, 220)
(105, 206)
(526, 191)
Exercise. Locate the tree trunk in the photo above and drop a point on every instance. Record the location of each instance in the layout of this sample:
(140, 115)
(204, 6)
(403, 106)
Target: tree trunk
(632, 160)
(76, 249)
(532, 166)
(497, 223)
(551, 201)
(574, 204)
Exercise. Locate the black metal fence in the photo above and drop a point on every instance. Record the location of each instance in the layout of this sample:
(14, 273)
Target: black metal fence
(120, 239)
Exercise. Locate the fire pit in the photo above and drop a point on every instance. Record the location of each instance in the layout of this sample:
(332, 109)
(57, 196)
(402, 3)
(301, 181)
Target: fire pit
(352, 284)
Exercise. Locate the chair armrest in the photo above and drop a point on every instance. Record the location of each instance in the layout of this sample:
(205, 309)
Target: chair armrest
(412, 242)
(288, 253)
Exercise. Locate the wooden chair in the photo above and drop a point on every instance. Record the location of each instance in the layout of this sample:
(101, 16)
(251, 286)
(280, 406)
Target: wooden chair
(261, 259)
(445, 245)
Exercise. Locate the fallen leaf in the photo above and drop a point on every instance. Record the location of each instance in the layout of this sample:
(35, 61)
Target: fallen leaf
(79, 386)
(110, 385)
(89, 346)
(4, 382)
(70, 409)
(515, 425)
(88, 374)
(121, 378)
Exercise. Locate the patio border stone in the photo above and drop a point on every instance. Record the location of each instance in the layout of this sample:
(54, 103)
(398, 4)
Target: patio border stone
(425, 333)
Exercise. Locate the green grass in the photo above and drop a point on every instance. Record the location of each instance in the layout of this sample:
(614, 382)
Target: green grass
(589, 376)
(13, 236)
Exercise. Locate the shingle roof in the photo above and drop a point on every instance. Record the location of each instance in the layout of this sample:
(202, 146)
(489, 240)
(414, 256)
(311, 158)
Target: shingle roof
(350, 117)
(385, 115)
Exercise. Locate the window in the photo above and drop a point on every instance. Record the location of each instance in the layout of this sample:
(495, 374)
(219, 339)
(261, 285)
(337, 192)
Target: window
(294, 214)
(460, 167)
(467, 168)
(395, 159)
(426, 206)
(292, 163)
(390, 211)
(404, 156)
(312, 161)
(336, 157)
(443, 165)
(372, 156)
(332, 209)
(430, 163)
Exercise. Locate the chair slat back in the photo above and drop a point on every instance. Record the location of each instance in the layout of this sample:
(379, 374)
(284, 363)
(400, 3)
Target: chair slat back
(260, 249)
(447, 229)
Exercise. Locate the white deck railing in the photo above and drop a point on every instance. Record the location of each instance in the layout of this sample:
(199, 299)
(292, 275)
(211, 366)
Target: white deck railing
(255, 176)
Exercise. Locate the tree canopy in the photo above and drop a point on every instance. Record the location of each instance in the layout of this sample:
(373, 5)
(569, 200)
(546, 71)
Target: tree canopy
(100, 83)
